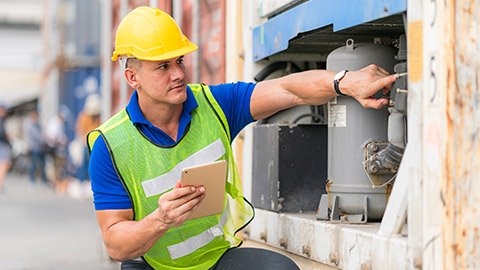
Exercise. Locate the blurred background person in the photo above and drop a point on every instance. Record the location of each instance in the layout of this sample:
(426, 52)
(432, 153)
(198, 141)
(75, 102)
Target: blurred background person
(36, 146)
(88, 119)
(56, 139)
(5, 154)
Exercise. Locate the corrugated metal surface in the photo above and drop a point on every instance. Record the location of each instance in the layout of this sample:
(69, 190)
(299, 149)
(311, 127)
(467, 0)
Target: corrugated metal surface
(75, 86)
(212, 41)
(269, 8)
(274, 35)
(461, 187)
(21, 65)
(21, 12)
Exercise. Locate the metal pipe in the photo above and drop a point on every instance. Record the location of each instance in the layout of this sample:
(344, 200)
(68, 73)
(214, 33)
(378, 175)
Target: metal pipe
(391, 156)
(106, 76)
(153, 3)
(196, 40)
(123, 83)
(177, 12)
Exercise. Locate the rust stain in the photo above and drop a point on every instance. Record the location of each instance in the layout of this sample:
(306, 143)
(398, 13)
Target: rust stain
(449, 244)
(388, 191)
(460, 185)
(376, 179)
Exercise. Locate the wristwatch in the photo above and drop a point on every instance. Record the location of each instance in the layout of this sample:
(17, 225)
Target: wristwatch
(336, 81)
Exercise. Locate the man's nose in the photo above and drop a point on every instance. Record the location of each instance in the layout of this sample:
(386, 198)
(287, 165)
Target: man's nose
(178, 73)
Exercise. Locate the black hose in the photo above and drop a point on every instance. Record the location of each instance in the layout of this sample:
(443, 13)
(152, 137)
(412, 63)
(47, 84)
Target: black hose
(390, 157)
(306, 115)
(272, 68)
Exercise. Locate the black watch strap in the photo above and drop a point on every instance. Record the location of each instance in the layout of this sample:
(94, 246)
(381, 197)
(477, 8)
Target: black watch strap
(336, 83)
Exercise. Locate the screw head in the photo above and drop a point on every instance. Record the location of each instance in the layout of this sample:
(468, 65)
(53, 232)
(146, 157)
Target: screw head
(306, 250)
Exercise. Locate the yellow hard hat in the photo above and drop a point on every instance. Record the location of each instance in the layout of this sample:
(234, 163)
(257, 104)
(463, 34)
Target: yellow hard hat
(150, 34)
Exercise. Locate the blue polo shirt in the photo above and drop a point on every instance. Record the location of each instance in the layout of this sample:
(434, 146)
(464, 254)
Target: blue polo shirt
(108, 190)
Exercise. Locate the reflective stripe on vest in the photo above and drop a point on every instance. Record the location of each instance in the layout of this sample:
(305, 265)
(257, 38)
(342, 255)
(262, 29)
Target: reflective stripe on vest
(166, 181)
(195, 242)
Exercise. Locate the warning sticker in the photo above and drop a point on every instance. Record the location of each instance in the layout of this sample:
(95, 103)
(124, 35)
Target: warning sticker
(415, 50)
(337, 116)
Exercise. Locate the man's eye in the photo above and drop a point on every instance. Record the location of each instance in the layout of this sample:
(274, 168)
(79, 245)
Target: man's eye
(180, 61)
(162, 67)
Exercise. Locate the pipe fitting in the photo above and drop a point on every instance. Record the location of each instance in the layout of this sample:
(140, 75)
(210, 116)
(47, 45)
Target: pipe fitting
(283, 242)
(263, 236)
(333, 258)
(306, 250)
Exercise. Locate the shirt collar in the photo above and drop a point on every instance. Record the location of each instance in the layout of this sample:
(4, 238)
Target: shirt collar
(136, 114)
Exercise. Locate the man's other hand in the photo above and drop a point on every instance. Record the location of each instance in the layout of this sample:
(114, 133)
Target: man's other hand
(175, 206)
(364, 83)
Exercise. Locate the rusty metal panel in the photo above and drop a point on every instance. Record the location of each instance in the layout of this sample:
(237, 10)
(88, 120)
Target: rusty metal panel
(461, 185)
(187, 9)
(461, 188)
(212, 41)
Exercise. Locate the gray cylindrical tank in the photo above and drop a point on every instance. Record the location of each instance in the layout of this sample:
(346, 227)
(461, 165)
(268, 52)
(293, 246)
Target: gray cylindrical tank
(350, 127)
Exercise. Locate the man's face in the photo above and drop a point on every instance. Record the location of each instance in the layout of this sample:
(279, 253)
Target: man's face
(163, 81)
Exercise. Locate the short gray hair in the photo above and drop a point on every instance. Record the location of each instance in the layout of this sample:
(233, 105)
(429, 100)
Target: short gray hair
(133, 63)
(129, 62)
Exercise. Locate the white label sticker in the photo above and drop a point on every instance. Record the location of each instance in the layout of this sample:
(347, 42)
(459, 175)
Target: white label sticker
(337, 116)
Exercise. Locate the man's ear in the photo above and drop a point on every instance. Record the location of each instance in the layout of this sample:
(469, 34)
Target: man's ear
(132, 77)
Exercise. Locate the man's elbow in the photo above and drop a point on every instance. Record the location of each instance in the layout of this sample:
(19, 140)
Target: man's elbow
(119, 255)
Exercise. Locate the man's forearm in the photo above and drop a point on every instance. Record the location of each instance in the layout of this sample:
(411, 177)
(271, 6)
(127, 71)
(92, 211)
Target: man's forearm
(312, 87)
(316, 87)
(131, 239)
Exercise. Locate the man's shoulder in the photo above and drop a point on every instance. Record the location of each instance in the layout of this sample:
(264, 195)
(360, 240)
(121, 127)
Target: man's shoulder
(114, 120)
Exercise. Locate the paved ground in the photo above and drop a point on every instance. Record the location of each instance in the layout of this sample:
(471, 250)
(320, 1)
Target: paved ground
(40, 229)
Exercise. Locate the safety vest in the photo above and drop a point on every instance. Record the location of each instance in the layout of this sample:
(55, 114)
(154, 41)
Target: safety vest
(147, 170)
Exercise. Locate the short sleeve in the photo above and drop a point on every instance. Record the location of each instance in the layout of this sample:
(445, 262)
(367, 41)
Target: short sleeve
(108, 190)
(234, 99)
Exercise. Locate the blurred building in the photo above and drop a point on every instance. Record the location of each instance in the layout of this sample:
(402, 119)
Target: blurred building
(21, 51)
(71, 38)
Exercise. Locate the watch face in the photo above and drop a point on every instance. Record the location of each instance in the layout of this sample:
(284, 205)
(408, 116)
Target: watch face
(339, 75)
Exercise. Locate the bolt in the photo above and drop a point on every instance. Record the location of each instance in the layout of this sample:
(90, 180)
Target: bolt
(263, 236)
(373, 169)
(417, 262)
(366, 266)
(306, 250)
(283, 242)
(374, 148)
(333, 258)
(393, 170)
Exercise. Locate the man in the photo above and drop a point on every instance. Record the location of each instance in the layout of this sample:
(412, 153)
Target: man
(57, 141)
(138, 154)
(5, 153)
(36, 146)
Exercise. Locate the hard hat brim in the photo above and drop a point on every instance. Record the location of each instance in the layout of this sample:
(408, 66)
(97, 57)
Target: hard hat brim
(172, 54)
